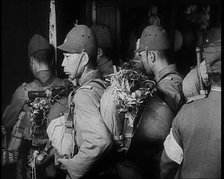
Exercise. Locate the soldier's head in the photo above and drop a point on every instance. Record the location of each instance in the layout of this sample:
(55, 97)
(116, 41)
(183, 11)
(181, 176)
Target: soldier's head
(212, 56)
(105, 53)
(104, 40)
(80, 51)
(154, 48)
(40, 54)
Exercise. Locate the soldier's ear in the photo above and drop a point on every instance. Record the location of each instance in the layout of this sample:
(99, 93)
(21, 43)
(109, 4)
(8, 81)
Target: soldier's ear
(99, 52)
(85, 59)
(153, 57)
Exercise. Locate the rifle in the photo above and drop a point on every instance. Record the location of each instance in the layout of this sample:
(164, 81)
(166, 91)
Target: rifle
(42, 101)
(52, 93)
(202, 90)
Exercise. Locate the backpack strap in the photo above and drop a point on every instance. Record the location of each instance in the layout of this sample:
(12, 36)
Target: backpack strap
(99, 82)
(128, 133)
(69, 123)
(169, 78)
(166, 75)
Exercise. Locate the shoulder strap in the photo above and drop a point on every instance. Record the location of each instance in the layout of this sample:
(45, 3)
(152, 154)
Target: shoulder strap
(173, 72)
(100, 83)
(26, 86)
(160, 93)
(69, 121)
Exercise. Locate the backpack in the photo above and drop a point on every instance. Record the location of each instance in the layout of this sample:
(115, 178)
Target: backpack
(21, 127)
(151, 124)
(61, 130)
(119, 123)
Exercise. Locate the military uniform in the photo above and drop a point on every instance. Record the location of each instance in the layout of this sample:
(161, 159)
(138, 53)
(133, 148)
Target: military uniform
(91, 135)
(197, 131)
(169, 84)
(193, 147)
(18, 104)
(191, 85)
(160, 109)
(155, 38)
(18, 113)
(20, 96)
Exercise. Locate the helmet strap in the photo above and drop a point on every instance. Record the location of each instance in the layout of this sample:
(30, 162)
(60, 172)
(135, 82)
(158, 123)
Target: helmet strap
(147, 56)
(79, 61)
(146, 51)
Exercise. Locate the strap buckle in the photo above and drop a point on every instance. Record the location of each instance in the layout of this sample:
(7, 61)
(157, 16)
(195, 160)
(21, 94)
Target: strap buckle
(68, 124)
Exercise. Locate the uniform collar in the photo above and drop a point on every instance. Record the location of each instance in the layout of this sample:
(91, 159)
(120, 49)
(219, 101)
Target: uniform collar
(164, 71)
(89, 77)
(102, 61)
(218, 89)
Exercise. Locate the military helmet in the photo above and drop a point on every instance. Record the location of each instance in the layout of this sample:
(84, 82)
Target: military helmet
(212, 51)
(212, 55)
(37, 43)
(80, 38)
(154, 38)
(103, 36)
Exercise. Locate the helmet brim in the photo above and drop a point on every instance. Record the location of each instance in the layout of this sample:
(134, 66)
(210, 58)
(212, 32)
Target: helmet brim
(139, 50)
(67, 48)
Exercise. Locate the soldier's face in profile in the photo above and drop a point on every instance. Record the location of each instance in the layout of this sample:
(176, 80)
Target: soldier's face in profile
(71, 65)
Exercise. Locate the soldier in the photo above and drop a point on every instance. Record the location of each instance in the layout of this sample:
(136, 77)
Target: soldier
(92, 138)
(191, 83)
(105, 50)
(154, 53)
(191, 86)
(18, 112)
(193, 147)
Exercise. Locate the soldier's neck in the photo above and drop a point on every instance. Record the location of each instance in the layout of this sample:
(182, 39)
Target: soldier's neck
(43, 75)
(86, 70)
(161, 64)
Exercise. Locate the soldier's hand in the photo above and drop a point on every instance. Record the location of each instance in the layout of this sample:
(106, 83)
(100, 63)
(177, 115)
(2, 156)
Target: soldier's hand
(45, 157)
(63, 163)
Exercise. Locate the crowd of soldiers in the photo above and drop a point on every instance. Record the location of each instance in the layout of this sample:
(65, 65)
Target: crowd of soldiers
(71, 135)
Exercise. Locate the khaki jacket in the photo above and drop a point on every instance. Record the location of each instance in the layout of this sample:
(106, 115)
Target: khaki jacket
(197, 131)
(91, 135)
(169, 83)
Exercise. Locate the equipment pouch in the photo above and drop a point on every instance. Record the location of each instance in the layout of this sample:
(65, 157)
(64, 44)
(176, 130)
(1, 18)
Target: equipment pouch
(61, 138)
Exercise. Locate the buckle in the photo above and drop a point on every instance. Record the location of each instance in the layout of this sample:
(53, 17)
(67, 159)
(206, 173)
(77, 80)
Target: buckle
(118, 137)
(69, 124)
(68, 130)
